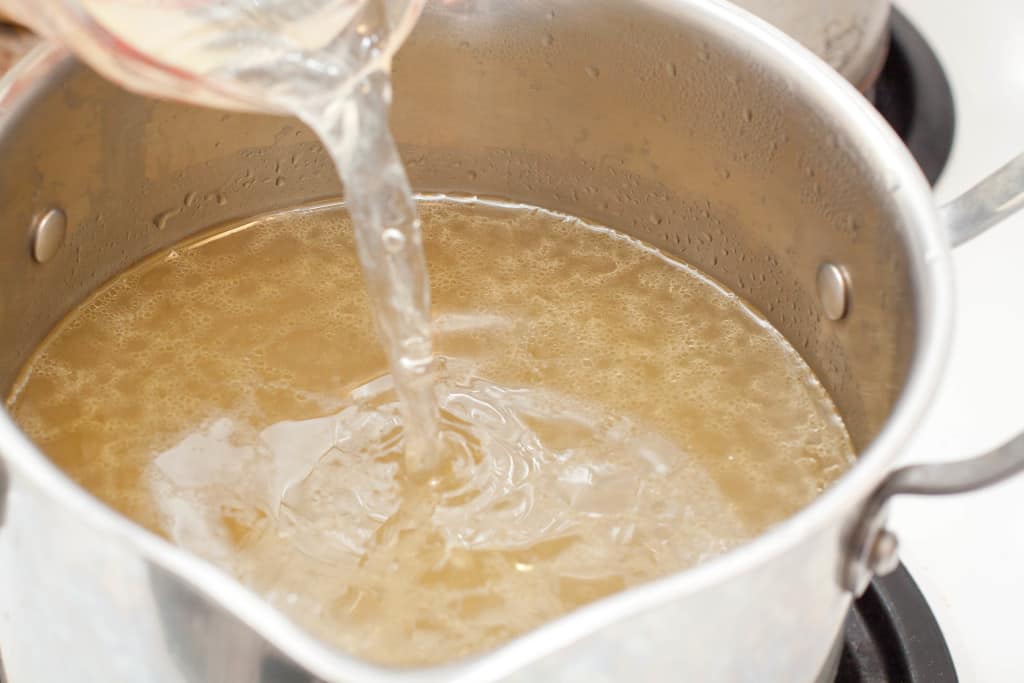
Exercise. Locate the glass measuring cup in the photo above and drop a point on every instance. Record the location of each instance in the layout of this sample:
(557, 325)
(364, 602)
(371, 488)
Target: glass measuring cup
(189, 50)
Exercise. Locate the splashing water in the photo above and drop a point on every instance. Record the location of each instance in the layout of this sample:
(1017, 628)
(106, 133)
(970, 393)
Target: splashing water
(587, 390)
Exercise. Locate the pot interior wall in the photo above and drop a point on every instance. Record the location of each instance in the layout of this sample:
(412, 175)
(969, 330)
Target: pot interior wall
(606, 110)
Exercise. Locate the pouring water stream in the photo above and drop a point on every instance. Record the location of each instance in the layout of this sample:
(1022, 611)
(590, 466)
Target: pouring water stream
(326, 62)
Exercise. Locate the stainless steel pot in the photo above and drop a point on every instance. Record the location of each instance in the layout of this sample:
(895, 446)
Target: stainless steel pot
(687, 124)
(852, 36)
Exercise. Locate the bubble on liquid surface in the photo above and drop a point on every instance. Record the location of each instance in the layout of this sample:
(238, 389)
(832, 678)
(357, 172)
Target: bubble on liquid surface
(608, 416)
(394, 240)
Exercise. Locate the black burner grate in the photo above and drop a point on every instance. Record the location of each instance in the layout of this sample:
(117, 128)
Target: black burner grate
(891, 635)
(914, 96)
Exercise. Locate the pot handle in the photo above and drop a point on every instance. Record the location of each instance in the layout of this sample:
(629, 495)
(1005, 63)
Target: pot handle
(873, 548)
(985, 204)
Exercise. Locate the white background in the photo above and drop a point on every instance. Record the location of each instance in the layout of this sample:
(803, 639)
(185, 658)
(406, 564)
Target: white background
(967, 552)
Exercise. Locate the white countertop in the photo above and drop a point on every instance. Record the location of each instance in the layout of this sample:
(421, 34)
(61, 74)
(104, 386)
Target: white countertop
(967, 552)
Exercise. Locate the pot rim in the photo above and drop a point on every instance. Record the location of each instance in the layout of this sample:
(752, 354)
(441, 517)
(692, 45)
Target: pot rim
(930, 266)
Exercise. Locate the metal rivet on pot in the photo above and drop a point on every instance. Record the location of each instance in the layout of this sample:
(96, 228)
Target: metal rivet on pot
(885, 555)
(48, 232)
(833, 291)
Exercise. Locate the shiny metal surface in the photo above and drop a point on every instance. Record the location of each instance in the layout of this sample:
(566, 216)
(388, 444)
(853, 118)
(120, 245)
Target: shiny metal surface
(4, 481)
(48, 232)
(924, 480)
(987, 203)
(852, 36)
(830, 671)
(885, 553)
(993, 199)
(679, 122)
(833, 291)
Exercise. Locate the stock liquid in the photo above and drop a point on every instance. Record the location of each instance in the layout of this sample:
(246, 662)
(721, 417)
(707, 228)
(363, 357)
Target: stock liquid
(606, 414)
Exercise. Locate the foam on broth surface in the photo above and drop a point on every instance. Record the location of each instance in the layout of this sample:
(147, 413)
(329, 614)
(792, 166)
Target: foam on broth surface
(608, 415)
